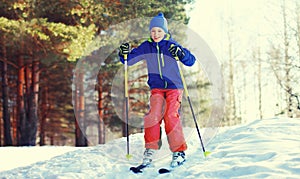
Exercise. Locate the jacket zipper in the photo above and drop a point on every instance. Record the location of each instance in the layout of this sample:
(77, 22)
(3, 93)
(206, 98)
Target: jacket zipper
(158, 61)
(160, 57)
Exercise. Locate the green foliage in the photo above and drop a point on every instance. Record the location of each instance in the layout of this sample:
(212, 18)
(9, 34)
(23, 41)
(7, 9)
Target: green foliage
(75, 39)
(61, 38)
(67, 27)
(7, 25)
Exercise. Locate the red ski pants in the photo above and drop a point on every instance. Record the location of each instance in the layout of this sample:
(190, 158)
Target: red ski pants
(164, 105)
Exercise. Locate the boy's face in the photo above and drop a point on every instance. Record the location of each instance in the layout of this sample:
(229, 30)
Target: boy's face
(157, 34)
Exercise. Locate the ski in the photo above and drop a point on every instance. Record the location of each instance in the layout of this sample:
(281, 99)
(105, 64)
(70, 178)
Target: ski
(138, 169)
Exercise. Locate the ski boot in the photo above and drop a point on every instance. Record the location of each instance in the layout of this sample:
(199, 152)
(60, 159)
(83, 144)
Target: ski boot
(147, 161)
(148, 156)
(178, 159)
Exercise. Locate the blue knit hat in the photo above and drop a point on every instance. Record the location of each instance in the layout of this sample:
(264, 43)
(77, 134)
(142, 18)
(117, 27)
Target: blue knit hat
(159, 21)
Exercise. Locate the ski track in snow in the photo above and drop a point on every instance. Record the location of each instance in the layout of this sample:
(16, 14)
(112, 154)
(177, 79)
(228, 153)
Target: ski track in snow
(266, 148)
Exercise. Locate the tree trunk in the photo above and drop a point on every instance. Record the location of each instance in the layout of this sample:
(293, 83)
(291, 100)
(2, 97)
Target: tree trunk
(14, 123)
(298, 44)
(298, 28)
(80, 108)
(34, 101)
(101, 127)
(20, 99)
(287, 64)
(29, 124)
(232, 103)
(25, 126)
(259, 85)
(0, 133)
(43, 117)
(5, 96)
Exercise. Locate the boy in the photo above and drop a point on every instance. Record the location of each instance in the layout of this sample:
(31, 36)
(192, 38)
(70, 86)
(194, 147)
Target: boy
(165, 83)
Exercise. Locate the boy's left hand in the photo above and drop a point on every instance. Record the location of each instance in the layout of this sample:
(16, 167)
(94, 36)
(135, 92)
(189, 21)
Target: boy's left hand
(176, 51)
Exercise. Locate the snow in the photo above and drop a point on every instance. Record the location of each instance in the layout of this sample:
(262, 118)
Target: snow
(23, 156)
(267, 148)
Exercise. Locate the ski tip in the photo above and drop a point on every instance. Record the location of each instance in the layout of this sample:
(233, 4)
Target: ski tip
(163, 170)
(138, 169)
(206, 153)
(135, 170)
(128, 156)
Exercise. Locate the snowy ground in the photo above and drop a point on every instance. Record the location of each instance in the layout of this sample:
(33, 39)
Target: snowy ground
(262, 149)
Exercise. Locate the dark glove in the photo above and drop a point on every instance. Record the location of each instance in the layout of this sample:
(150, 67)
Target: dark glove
(124, 49)
(176, 51)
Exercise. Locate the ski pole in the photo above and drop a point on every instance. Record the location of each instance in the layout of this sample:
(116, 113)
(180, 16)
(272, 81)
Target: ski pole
(128, 156)
(206, 153)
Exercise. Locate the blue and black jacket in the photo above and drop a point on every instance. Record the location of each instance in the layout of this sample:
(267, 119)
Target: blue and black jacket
(163, 70)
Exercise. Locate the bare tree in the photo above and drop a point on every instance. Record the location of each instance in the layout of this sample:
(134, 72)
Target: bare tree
(5, 98)
(231, 117)
(257, 58)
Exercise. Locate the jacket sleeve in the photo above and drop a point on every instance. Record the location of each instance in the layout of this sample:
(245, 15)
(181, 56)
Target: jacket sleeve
(189, 59)
(136, 55)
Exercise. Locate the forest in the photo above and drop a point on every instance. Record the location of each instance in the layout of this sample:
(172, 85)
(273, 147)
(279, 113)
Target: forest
(58, 88)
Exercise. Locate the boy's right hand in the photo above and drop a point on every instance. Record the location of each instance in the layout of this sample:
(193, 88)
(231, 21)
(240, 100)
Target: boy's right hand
(124, 49)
